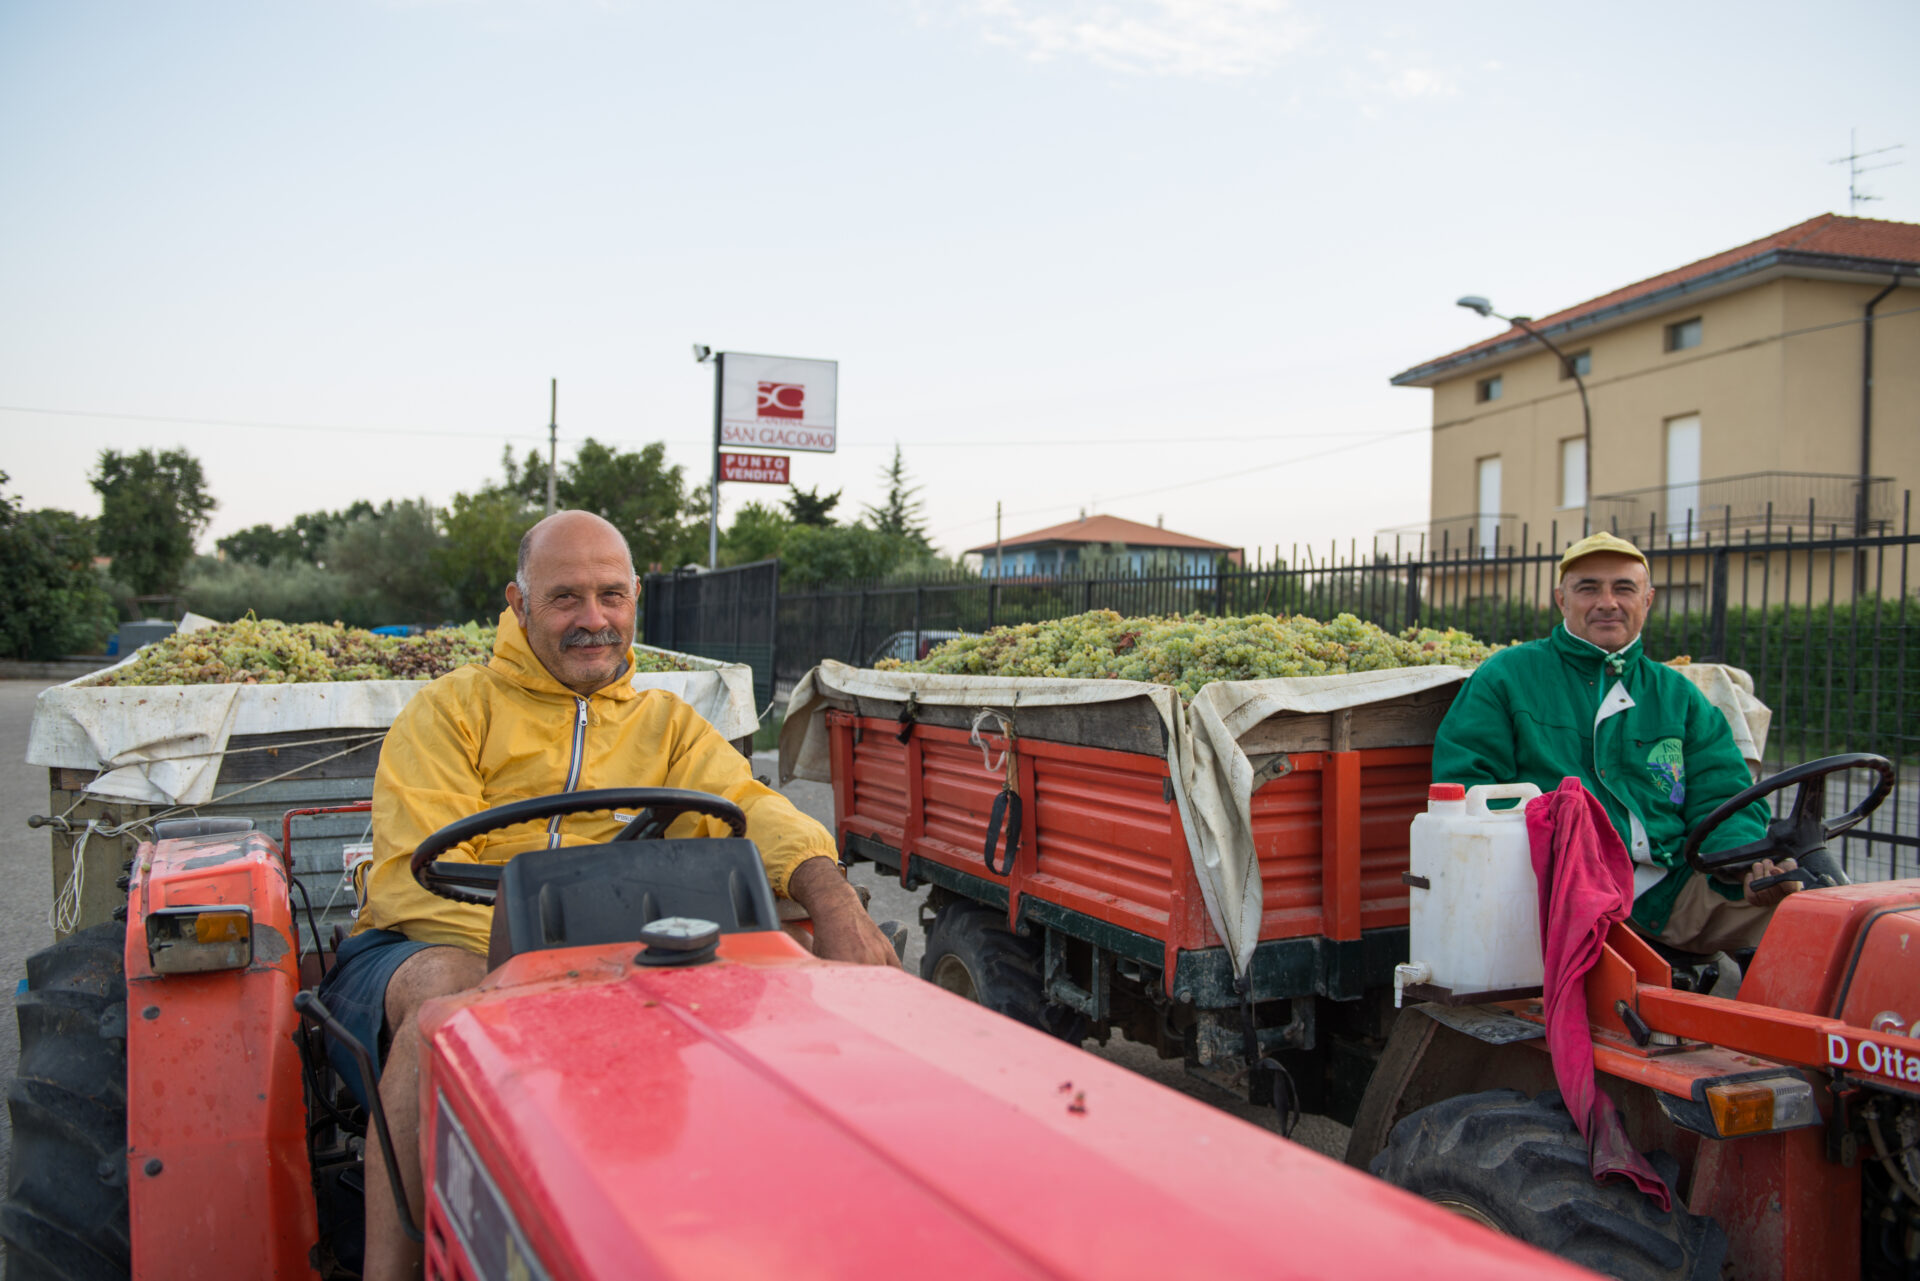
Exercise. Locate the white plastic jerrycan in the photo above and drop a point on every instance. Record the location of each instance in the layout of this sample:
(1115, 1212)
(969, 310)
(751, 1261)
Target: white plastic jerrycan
(1475, 911)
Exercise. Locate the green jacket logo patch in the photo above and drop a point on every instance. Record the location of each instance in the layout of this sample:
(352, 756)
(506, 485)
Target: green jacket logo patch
(1667, 764)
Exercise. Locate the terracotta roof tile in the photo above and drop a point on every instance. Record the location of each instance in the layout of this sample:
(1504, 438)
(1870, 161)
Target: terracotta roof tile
(1826, 234)
(1103, 530)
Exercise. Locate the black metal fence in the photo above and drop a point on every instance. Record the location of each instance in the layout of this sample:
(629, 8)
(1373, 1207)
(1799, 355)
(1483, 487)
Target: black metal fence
(1826, 622)
(728, 615)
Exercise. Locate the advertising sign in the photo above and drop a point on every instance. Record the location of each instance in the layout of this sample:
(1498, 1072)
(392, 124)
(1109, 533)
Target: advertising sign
(779, 402)
(759, 469)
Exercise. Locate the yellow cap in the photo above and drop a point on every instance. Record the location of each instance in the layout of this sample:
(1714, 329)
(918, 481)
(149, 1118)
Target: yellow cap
(1600, 542)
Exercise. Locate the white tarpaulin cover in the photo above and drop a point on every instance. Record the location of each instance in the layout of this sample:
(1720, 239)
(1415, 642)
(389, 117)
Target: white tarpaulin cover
(161, 744)
(1212, 776)
(1222, 782)
(1731, 690)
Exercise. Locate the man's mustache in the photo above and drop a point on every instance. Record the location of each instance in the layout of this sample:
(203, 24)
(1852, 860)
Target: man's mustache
(579, 636)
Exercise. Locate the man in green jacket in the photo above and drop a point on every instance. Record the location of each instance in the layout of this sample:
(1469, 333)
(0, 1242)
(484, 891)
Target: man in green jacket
(1587, 702)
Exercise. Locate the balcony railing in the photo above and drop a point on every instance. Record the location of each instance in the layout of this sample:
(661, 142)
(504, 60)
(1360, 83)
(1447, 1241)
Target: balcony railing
(1484, 533)
(1777, 500)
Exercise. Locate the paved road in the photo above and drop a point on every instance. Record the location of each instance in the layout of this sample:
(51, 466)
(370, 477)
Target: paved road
(23, 868)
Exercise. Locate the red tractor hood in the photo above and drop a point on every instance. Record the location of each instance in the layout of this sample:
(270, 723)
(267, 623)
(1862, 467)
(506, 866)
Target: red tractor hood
(771, 1115)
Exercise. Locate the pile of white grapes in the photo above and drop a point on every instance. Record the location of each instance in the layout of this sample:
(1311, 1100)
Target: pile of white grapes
(264, 651)
(1190, 652)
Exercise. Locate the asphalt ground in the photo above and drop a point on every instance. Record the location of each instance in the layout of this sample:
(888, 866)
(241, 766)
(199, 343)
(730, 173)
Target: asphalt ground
(25, 869)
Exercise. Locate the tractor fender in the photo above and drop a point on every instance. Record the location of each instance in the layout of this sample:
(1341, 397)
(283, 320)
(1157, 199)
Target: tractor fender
(1434, 1053)
(217, 1167)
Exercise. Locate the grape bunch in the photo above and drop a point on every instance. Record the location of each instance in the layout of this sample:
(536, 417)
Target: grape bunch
(1190, 652)
(264, 651)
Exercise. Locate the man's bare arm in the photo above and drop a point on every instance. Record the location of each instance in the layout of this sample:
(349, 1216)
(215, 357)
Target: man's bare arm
(842, 930)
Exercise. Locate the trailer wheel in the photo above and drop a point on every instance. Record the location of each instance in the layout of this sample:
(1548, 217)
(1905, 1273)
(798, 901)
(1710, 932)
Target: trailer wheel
(1519, 1166)
(65, 1214)
(971, 953)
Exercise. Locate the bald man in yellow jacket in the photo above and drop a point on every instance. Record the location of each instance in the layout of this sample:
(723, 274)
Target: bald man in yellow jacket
(554, 711)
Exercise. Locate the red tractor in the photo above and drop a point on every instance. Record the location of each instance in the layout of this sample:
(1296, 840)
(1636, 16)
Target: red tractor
(1786, 1117)
(655, 1082)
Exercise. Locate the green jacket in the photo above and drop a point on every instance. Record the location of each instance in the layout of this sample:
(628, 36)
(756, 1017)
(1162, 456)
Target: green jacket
(1638, 734)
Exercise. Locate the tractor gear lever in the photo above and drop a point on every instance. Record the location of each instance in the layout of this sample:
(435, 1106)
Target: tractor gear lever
(313, 1009)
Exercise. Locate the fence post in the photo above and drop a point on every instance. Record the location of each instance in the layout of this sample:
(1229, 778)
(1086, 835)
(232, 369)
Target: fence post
(993, 601)
(1717, 609)
(859, 625)
(1413, 594)
(919, 594)
(1220, 587)
(1086, 604)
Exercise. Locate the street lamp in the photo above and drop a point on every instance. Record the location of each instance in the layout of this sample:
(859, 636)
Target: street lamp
(1473, 302)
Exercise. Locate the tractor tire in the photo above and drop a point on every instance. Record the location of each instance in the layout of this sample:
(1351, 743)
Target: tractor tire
(971, 953)
(1519, 1166)
(65, 1213)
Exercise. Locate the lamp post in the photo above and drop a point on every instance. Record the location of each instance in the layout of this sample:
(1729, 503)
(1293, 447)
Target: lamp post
(1473, 302)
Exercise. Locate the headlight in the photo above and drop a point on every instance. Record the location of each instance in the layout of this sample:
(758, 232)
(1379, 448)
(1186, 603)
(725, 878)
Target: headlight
(196, 940)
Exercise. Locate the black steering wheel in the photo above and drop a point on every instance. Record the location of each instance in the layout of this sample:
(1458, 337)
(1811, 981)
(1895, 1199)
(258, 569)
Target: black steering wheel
(479, 882)
(1802, 833)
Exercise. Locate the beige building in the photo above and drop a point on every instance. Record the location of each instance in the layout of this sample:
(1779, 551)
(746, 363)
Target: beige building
(1720, 392)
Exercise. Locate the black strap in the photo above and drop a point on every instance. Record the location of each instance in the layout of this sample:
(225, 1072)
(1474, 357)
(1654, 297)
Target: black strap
(907, 716)
(1006, 811)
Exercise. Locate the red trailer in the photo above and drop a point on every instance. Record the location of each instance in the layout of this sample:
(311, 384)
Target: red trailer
(1101, 921)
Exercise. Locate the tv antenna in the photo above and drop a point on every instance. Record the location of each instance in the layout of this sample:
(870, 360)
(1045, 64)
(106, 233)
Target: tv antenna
(1855, 196)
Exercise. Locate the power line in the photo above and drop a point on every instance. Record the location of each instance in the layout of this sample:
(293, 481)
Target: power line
(1074, 442)
(243, 422)
(1378, 437)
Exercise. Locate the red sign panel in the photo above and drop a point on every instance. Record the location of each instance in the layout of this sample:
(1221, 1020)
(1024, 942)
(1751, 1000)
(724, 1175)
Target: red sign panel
(782, 400)
(763, 469)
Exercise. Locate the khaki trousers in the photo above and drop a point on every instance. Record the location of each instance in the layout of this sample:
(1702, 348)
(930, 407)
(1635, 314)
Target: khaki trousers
(1704, 922)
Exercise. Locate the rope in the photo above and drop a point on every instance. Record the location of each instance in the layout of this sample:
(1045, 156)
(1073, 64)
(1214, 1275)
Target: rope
(360, 740)
(64, 916)
(980, 718)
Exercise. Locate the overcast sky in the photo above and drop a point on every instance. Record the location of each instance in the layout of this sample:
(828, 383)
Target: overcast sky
(1152, 258)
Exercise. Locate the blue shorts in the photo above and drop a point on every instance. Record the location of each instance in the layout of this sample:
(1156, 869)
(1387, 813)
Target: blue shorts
(355, 991)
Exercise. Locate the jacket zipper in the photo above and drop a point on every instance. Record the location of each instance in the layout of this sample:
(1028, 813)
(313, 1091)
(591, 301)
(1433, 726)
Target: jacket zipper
(573, 767)
(1637, 842)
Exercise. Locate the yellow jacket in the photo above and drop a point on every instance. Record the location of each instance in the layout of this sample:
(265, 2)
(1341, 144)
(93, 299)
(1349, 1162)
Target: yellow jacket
(484, 736)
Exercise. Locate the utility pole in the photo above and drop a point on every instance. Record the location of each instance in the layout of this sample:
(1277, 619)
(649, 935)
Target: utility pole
(713, 515)
(553, 443)
(999, 557)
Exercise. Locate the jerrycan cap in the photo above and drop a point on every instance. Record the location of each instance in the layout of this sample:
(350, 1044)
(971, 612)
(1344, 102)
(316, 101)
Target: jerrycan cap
(1447, 792)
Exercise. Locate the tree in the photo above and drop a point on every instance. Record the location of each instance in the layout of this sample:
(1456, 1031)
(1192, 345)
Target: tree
(152, 507)
(838, 553)
(644, 498)
(303, 539)
(56, 602)
(807, 507)
(901, 515)
(756, 533)
(260, 545)
(482, 550)
(387, 558)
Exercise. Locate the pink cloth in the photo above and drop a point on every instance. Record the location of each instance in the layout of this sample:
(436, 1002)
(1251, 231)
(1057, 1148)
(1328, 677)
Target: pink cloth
(1586, 884)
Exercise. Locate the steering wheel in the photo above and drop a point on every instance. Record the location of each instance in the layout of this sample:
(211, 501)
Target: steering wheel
(1802, 833)
(479, 882)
